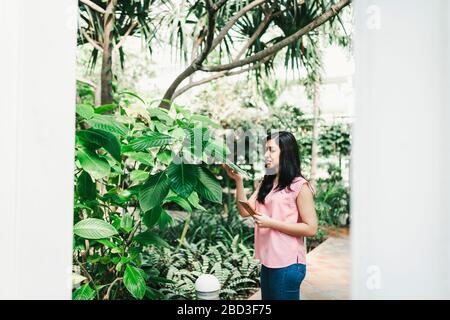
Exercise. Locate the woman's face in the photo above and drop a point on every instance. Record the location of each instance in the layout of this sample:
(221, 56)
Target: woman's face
(272, 156)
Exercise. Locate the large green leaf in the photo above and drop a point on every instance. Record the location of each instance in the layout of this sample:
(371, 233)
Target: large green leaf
(85, 292)
(180, 201)
(134, 282)
(108, 124)
(217, 149)
(142, 157)
(236, 168)
(126, 223)
(148, 238)
(139, 176)
(151, 217)
(104, 108)
(85, 111)
(164, 220)
(91, 162)
(154, 191)
(150, 140)
(160, 114)
(165, 156)
(93, 228)
(104, 139)
(208, 186)
(194, 200)
(183, 178)
(86, 187)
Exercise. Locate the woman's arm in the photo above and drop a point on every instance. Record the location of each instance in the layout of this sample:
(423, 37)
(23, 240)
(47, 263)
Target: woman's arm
(240, 192)
(240, 195)
(307, 212)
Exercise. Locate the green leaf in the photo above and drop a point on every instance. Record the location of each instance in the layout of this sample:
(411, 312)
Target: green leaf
(134, 282)
(183, 178)
(126, 223)
(160, 127)
(142, 157)
(133, 95)
(150, 140)
(104, 108)
(180, 201)
(183, 111)
(238, 169)
(151, 217)
(161, 114)
(148, 238)
(139, 175)
(85, 292)
(85, 111)
(164, 220)
(154, 191)
(194, 200)
(218, 150)
(97, 167)
(107, 243)
(108, 124)
(165, 156)
(205, 121)
(93, 228)
(104, 139)
(86, 187)
(208, 186)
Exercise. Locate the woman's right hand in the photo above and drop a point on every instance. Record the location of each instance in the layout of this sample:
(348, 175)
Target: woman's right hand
(231, 173)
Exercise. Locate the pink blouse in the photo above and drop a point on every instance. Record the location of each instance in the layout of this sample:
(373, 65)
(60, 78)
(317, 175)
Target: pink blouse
(273, 248)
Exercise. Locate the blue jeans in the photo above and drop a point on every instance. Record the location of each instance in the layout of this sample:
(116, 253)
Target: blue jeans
(282, 283)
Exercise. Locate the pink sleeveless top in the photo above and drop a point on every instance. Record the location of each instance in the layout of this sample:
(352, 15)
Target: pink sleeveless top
(273, 248)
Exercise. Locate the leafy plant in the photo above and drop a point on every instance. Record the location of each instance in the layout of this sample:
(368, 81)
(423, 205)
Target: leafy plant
(129, 170)
(231, 262)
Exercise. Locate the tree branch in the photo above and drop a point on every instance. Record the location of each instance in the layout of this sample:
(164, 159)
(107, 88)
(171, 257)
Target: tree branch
(127, 33)
(108, 292)
(250, 41)
(327, 15)
(255, 36)
(93, 6)
(196, 64)
(233, 20)
(94, 43)
(218, 76)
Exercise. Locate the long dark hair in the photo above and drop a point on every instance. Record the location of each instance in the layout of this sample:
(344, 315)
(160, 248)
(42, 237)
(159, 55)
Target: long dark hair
(289, 165)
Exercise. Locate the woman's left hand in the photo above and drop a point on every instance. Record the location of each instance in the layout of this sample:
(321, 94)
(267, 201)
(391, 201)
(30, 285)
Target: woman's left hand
(262, 220)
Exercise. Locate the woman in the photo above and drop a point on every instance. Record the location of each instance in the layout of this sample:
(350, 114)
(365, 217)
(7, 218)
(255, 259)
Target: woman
(285, 214)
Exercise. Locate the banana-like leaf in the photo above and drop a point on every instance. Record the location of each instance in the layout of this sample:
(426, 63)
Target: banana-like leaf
(93, 228)
(208, 186)
(103, 139)
(150, 140)
(97, 167)
(86, 187)
(154, 191)
(148, 238)
(85, 292)
(108, 124)
(134, 282)
(183, 178)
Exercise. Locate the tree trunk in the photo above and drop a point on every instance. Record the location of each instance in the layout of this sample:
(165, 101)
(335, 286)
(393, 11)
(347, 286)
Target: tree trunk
(106, 72)
(316, 112)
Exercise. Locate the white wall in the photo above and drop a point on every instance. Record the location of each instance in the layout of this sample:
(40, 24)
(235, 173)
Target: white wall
(401, 151)
(37, 118)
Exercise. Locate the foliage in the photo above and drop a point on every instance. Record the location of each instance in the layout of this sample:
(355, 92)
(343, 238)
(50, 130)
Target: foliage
(224, 250)
(333, 198)
(335, 140)
(128, 172)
